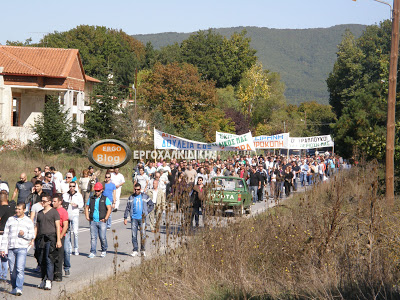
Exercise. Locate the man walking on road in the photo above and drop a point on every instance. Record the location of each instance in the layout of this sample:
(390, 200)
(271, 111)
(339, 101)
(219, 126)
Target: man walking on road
(23, 188)
(57, 205)
(75, 200)
(138, 207)
(6, 211)
(255, 183)
(118, 179)
(18, 233)
(158, 199)
(97, 212)
(109, 192)
(47, 233)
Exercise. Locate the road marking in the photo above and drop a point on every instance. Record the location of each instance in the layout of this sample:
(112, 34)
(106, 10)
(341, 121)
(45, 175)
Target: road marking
(112, 222)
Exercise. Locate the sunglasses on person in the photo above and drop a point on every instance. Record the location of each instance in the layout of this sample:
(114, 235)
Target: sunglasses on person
(69, 177)
(108, 176)
(137, 189)
(72, 186)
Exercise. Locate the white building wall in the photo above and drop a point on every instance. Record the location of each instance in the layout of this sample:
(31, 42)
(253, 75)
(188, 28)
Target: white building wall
(32, 105)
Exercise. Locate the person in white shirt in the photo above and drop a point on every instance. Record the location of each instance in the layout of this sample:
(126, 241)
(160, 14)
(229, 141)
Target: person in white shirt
(163, 181)
(57, 178)
(118, 179)
(142, 179)
(203, 175)
(164, 167)
(18, 233)
(158, 198)
(150, 169)
(64, 186)
(75, 201)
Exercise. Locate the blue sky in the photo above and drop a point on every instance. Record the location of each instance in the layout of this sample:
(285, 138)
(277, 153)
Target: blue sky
(21, 19)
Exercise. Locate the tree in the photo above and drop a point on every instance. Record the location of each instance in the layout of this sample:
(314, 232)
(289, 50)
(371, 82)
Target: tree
(52, 128)
(103, 51)
(242, 124)
(253, 88)
(346, 76)
(28, 42)
(318, 118)
(100, 121)
(358, 87)
(185, 101)
(218, 58)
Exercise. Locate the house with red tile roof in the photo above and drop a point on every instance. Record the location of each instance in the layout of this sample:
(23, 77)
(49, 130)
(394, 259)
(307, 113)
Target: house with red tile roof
(28, 76)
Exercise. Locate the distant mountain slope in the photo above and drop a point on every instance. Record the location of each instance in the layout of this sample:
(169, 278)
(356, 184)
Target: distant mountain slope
(303, 57)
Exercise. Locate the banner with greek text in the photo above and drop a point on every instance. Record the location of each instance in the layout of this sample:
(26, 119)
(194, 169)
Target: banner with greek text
(276, 141)
(163, 140)
(223, 136)
(311, 142)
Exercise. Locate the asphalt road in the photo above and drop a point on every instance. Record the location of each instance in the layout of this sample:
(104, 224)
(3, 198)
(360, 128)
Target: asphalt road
(85, 271)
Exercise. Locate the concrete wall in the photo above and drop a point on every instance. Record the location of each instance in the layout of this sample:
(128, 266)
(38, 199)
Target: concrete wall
(32, 104)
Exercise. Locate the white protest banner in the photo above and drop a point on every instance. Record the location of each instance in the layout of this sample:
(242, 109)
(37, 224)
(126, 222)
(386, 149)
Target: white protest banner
(163, 140)
(224, 136)
(311, 142)
(276, 141)
(261, 142)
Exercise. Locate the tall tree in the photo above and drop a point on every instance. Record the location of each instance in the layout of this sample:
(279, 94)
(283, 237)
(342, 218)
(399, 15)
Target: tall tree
(218, 58)
(100, 121)
(358, 87)
(52, 127)
(185, 101)
(103, 51)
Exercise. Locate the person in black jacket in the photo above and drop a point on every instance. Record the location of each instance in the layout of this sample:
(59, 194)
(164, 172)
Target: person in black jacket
(197, 198)
(97, 212)
(288, 175)
(262, 173)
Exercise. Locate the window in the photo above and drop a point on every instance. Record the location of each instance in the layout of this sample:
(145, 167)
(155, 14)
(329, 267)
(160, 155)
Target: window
(75, 100)
(16, 111)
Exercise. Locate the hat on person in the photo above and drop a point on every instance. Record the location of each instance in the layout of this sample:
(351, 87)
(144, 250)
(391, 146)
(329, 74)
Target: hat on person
(98, 186)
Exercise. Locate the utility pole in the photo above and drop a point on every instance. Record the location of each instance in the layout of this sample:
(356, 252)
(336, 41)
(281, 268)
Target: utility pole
(391, 110)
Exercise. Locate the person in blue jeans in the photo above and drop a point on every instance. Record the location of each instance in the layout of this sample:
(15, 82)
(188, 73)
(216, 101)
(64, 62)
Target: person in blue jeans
(139, 205)
(97, 212)
(110, 192)
(18, 233)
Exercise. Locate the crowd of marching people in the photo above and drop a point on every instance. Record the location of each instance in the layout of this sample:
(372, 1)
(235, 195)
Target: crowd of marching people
(43, 212)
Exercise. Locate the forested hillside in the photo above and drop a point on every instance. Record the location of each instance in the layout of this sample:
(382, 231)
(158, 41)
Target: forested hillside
(303, 57)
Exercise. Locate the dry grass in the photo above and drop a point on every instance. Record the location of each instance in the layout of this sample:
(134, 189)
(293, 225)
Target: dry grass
(13, 163)
(334, 242)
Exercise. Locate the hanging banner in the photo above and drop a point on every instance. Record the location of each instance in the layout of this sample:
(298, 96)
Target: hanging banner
(223, 136)
(276, 141)
(163, 140)
(311, 142)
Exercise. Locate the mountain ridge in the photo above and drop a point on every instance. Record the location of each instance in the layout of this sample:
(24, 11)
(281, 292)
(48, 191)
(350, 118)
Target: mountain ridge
(303, 57)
